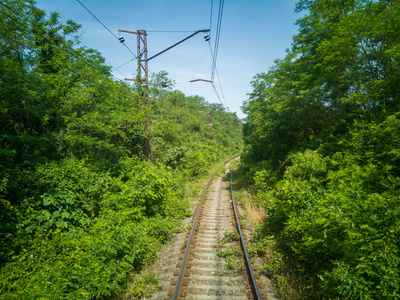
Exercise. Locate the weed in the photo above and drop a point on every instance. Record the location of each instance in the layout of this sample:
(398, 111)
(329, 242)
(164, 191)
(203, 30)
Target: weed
(143, 286)
(230, 262)
(241, 265)
(184, 246)
(229, 252)
(243, 224)
(229, 237)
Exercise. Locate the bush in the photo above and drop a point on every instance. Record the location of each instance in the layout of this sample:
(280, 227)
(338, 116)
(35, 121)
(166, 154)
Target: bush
(338, 230)
(91, 230)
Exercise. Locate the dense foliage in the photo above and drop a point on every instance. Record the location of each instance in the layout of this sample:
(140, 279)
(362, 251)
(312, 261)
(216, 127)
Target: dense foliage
(81, 206)
(322, 146)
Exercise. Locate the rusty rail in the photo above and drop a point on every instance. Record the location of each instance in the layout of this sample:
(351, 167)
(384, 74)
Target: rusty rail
(242, 244)
(188, 246)
(253, 283)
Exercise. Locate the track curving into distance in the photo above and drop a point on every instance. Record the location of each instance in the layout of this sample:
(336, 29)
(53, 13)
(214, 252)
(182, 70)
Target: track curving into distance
(206, 271)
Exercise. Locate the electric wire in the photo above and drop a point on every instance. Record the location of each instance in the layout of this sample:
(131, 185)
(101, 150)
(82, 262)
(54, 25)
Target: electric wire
(129, 50)
(120, 73)
(214, 54)
(217, 37)
(79, 75)
(216, 42)
(198, 66)
(97, 19)
(212, 80)
(35, 51)
(216, 92)
(106, 28)
(163, 31)
(74, 53)
(211, 14)
(220, 87)
(125, 63)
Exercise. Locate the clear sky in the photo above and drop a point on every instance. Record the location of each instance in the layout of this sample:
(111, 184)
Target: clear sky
(253, 34)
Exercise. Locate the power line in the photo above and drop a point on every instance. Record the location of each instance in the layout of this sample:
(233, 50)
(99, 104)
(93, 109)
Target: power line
(214, 54)
(35, 51)
(195, 72)
(216, 92)
(97, 19)
(212, 80)
(115, 69)
(72, 52)
(211, 14)
(129, 50)
(106, 28)
(62, 66)
(220, 87)
(217, 36)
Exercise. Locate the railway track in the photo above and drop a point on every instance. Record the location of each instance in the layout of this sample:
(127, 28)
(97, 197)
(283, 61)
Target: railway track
(214, 263)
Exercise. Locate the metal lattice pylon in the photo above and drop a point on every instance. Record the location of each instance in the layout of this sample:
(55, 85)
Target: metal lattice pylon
(142, 57)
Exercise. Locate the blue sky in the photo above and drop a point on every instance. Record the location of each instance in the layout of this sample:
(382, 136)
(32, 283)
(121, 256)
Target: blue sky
(253, 34)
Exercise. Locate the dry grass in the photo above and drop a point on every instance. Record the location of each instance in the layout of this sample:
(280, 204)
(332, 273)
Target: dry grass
(255, 214)
(289, 286)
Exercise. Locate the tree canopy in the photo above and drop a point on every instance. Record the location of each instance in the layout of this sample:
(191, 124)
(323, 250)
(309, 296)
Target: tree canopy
(322, 147)
(81, 206)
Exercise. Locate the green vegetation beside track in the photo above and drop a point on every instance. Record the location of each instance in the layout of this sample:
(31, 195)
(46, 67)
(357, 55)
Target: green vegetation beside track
(82, 208)
(322, 154)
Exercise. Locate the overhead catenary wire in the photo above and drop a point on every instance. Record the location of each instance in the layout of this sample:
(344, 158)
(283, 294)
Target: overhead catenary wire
(217, 37)
(212, 80)
(72, 51)
(216, 92)
(220, 87)
(125, 63)
(107, 28)
(211, 14)
(97, 19)
(80, 42)
(166, 31)
(197, 68)
(79, 75)
(23, 45)
(36, 51)
(214, 54)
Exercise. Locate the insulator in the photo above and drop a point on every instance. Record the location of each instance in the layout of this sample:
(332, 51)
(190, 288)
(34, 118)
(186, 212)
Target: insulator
(164, 84)
(206, 37)
(121, 39)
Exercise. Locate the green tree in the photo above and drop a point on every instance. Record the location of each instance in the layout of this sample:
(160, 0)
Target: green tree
(81, 206)
(332, 209)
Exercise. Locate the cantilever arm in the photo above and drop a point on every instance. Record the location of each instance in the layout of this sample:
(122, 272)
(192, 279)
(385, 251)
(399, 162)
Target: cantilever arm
(198, 31)
(201, 80)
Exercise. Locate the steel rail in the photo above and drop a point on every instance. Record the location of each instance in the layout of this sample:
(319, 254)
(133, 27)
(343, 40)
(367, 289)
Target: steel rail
(183, 267)
(253, 280)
